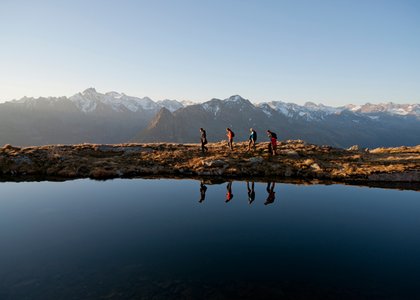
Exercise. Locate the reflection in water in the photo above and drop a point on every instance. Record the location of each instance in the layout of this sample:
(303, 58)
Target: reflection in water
(271, 193)
(251, 192)
(203, 190)
(87, 239)
(229, 194)
(250, 186)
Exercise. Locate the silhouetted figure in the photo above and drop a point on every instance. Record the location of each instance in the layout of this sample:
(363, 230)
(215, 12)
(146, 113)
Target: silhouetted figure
(271, 193)
(203, 190)
(251, 192)
(272, 146)
(252, 139)
(229, 194)
(203, 140)
(230, 135)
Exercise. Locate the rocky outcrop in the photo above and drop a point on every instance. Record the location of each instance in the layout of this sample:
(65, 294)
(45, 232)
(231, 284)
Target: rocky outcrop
(294, 159)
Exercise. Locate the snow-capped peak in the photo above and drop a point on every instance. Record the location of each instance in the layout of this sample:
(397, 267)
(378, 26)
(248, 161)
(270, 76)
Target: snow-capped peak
(114, 94)
(309, 111)
(171, 105)
(89, 91)
(388, 108)
(310, 104)
(235, 98)
(89, 100)
(312, 111)
(212, 106)
(188, 103)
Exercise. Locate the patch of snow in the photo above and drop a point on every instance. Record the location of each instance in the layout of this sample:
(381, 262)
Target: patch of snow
(267, 112)
(114, 94)
(217, 109)
(399, 111)
(211, 107)
(354, 107)
(187, 103)
(83, 104)
(235, 98)
(171, 105)
(281, 107)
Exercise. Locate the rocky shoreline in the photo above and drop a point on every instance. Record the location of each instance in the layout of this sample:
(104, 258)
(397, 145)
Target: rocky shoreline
(295, 160)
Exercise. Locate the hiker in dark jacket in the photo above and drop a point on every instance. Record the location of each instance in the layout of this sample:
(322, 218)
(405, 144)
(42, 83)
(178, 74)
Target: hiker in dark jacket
(252, 139)
(272, 146)
(203, 140)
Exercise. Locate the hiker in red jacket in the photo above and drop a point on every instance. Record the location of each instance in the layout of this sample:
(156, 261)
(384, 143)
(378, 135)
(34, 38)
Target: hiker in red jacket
(272, 146)
(230, 135)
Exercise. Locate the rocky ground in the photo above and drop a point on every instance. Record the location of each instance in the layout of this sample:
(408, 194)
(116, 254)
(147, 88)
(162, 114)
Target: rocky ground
(295, 159)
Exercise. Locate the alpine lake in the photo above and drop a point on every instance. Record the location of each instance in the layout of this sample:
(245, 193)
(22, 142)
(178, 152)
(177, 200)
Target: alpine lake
(192, 239)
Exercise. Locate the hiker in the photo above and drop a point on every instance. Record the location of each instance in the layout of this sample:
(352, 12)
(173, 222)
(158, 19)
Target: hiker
(272, 146)
(252, 139)
(203, 140)
(271, 193)
(251, 192)
(203, 190)
(230, 134)
(229, 194)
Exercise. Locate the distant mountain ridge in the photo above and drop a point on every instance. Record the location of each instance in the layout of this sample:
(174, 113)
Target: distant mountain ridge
(90, 101)
(89, 116)
(114, 117)
(368, 125)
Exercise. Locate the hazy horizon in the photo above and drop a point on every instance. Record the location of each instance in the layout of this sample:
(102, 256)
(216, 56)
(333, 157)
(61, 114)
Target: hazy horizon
(329, 52)
(200, 102)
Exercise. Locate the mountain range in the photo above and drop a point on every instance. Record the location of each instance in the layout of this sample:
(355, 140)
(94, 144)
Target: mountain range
(88, 116)
(93, 117)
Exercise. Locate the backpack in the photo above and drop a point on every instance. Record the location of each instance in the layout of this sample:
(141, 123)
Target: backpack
(255, 135)
(233, 134)
(273, 135)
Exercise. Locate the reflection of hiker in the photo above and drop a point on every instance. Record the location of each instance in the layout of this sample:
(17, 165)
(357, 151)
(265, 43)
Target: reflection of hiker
(272, 146)
(271, 193)
(203, 140)
(230, 134)
(251, 192)
(229, 194)
(203, 190)
(252, 139)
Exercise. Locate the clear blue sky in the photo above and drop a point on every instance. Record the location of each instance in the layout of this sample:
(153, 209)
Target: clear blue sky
(332, 51)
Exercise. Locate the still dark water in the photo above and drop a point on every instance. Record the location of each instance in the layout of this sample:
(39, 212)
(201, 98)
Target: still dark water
(155, 239)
